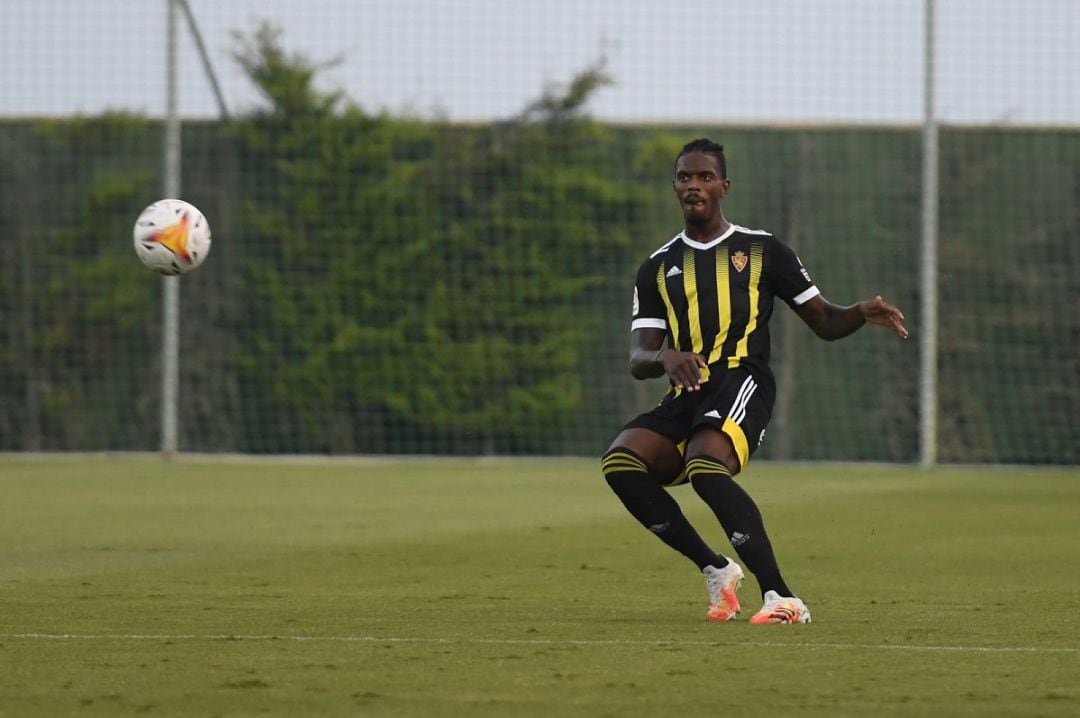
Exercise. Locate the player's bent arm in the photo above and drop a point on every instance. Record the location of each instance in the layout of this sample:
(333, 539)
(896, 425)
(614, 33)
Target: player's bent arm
(649, 358)
(646, 346)
(832, 321)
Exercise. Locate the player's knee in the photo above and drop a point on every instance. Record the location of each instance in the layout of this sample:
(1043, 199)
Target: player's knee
(704, 470)
(620, 464)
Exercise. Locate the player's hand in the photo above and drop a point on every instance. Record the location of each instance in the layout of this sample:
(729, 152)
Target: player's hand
(878, 311)
(684, 368)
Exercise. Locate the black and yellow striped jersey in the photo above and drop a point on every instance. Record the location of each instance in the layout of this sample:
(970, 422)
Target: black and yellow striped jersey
(716, 298)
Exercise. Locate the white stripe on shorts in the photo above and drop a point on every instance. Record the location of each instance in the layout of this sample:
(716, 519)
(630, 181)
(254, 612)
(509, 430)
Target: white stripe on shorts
(737, 412)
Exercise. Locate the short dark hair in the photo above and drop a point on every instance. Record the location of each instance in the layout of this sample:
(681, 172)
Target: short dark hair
(708, 147)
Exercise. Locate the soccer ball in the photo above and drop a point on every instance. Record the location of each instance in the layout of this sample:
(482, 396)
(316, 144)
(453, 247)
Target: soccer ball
(172, 237)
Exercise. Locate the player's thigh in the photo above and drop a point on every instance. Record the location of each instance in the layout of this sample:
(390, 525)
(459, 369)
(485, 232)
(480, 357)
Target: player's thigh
(659, 453)
(713, 442)
(730, 425)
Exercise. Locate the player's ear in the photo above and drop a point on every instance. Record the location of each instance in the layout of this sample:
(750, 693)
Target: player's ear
(725, 186)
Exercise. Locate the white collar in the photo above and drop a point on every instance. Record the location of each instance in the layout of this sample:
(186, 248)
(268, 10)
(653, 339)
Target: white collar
(712, 242)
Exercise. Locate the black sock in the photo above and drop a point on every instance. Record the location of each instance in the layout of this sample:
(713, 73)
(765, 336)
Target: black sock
(741, 519)
(654, 507)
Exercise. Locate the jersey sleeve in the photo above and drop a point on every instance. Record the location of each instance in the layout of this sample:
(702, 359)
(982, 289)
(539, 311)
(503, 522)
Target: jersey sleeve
(649, 310)
(789, 278)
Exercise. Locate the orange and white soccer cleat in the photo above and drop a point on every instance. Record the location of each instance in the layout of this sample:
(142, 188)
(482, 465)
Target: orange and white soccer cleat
(722, 583)
(781, 609)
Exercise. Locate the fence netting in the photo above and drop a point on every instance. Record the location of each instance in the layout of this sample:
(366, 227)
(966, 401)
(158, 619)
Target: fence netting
(427, 217)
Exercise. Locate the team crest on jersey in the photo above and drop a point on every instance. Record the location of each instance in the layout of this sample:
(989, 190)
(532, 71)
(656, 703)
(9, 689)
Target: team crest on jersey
(739, 260)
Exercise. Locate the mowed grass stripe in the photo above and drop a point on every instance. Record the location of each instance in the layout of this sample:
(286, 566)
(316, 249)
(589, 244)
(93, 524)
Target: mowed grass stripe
(542, 642)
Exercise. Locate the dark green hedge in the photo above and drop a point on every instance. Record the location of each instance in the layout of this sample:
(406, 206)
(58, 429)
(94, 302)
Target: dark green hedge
(393, 286)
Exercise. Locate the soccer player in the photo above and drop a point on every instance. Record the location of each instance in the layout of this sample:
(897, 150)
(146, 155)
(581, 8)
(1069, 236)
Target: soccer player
(709, 294)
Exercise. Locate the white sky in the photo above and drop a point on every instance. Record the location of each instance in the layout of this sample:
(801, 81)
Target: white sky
(718, 61)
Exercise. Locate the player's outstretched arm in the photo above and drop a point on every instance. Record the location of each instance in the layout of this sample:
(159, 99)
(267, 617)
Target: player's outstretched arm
(878, 311)
(832, 321)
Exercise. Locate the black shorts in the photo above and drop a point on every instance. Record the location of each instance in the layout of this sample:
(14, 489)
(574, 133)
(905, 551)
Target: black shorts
(735, 401)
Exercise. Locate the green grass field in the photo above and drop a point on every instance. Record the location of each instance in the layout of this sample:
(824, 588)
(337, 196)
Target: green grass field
(522, 588)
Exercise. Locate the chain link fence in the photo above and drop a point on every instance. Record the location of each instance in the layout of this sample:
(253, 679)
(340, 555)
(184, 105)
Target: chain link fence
(427, 217)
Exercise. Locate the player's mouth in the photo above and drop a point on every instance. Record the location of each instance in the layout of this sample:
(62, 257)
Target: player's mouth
(694, 201)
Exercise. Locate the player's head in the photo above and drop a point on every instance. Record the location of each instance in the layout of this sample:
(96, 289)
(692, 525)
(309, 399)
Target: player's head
(708, 147)
(701, 183)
